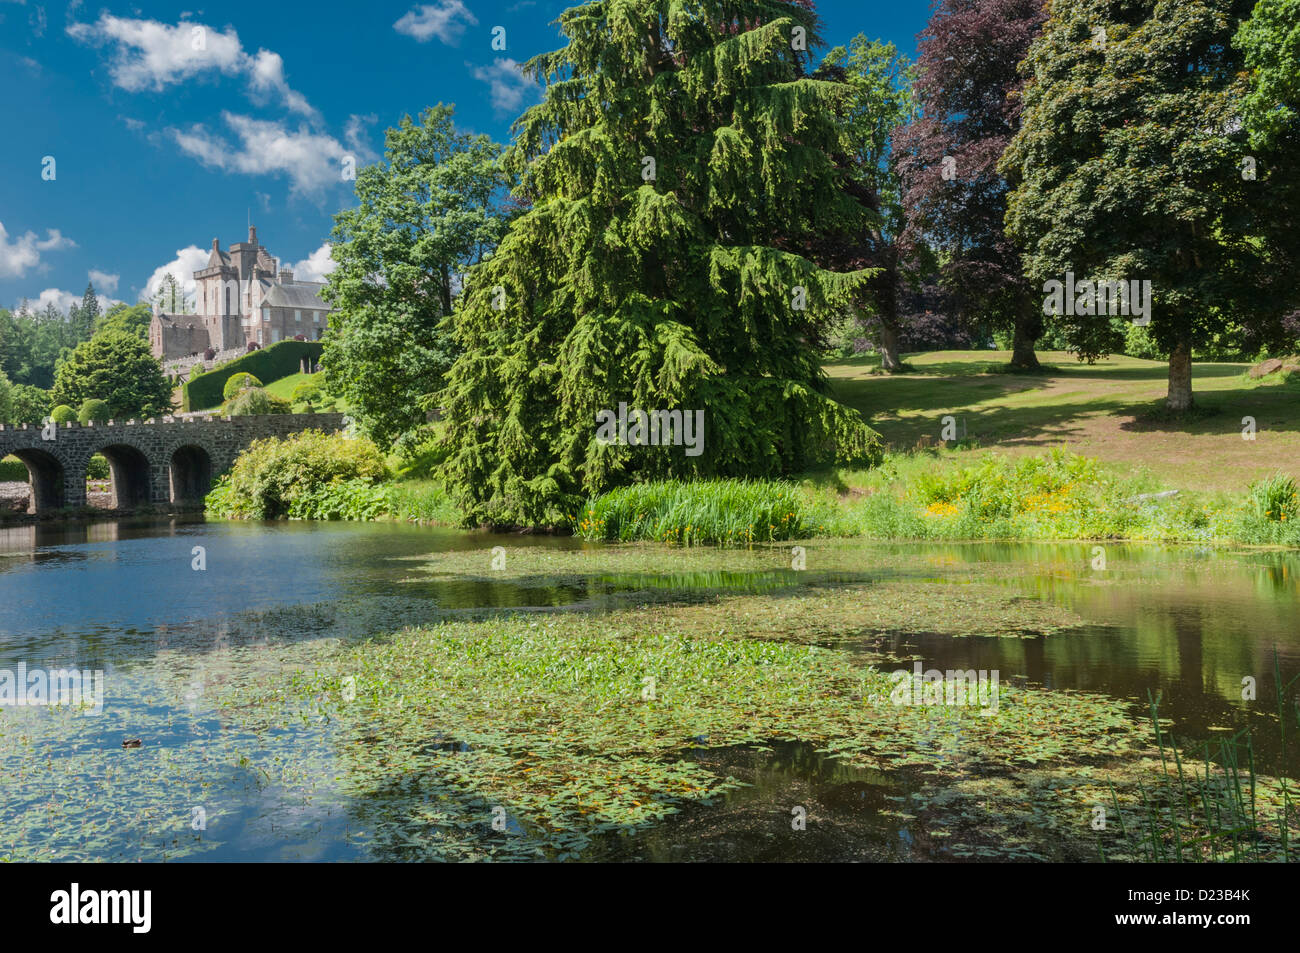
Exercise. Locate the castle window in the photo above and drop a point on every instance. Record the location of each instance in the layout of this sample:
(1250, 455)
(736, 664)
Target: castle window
(297, 316)
(315, 317)
(227, 301)
(275, 335)
(266, 314)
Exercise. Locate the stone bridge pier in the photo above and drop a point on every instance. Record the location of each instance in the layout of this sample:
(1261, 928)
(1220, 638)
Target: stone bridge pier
(151, 462)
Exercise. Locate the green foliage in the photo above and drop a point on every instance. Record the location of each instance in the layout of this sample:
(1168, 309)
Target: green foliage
(132, 319)
(6, 399)
(253, 401)
(712, 511)
(307, 392)
(31, 344)
(93, 411)
(237, 383)
(13, 470)
(1274, 499)
(421, 451)
(424, 214)
(342, 500)
(422, 501)
(672, 292)
(28, 405)
(1138, 342)
(205, 391)
(275, 478)
(1270, 40)
(115, 367)
(62, 414)
(1127, 166)
(97, 468)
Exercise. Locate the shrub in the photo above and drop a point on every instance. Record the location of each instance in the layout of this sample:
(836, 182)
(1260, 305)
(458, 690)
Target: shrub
(62, 414)
(93, 411)
(238, 383)
(308, 390)
(97, 468)
(13, 470)
(1138, 342)
(275, 478)
(254, 401)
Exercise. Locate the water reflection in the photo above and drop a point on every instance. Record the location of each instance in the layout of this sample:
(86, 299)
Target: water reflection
(1188, 623)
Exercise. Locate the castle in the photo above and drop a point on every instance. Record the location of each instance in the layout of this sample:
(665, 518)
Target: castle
(242, 298)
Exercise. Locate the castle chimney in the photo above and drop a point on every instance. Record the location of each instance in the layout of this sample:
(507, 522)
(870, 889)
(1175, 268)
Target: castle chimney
(286, 276)
(252, 234)
(216, 245)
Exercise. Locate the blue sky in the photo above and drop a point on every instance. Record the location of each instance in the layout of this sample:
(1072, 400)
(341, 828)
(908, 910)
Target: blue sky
(169, 125)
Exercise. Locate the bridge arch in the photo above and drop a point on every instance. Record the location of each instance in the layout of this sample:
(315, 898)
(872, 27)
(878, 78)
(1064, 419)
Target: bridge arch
(190, 470)
(131, 473)
(48, 477)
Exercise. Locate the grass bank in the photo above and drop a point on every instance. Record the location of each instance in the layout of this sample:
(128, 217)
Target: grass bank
(1053, 496)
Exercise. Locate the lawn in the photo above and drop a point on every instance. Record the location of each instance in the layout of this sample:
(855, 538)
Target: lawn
(285, 385)
(1105, 410)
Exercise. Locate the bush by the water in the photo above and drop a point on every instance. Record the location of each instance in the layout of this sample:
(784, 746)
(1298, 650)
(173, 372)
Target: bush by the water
(13, 470)
(62, 414)
(292, 477)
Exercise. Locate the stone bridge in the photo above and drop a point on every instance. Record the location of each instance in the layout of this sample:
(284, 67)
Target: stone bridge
(172, 460)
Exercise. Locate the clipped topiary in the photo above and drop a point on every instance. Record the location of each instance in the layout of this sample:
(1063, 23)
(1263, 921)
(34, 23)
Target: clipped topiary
(62, 414)
(238, 383)
(93, 411)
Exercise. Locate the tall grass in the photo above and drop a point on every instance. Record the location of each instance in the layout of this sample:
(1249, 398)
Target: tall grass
(714, 511)
(422, 501)
(1056, 495)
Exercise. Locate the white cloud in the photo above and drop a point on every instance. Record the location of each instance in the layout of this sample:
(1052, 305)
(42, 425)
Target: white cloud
(63, 300)
(353, 133)
(153, 55)
(310, 160)
(267, 76)
(315, 266)
(507, 82)
(182, 268)
(17, 257)
(104, 282)
(446, 19)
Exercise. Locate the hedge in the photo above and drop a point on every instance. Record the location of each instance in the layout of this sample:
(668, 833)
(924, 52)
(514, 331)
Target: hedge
(204, 391)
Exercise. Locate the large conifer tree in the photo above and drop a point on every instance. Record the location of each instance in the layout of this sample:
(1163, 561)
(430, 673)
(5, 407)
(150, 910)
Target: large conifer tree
(679, 154)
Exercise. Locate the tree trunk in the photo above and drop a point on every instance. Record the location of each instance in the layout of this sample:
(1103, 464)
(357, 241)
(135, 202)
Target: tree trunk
(1027, 332)
(889, 358)
(1179, 398)
(446, 290)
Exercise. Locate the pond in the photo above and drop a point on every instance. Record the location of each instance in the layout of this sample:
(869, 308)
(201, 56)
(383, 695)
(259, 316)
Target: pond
(181, 616)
